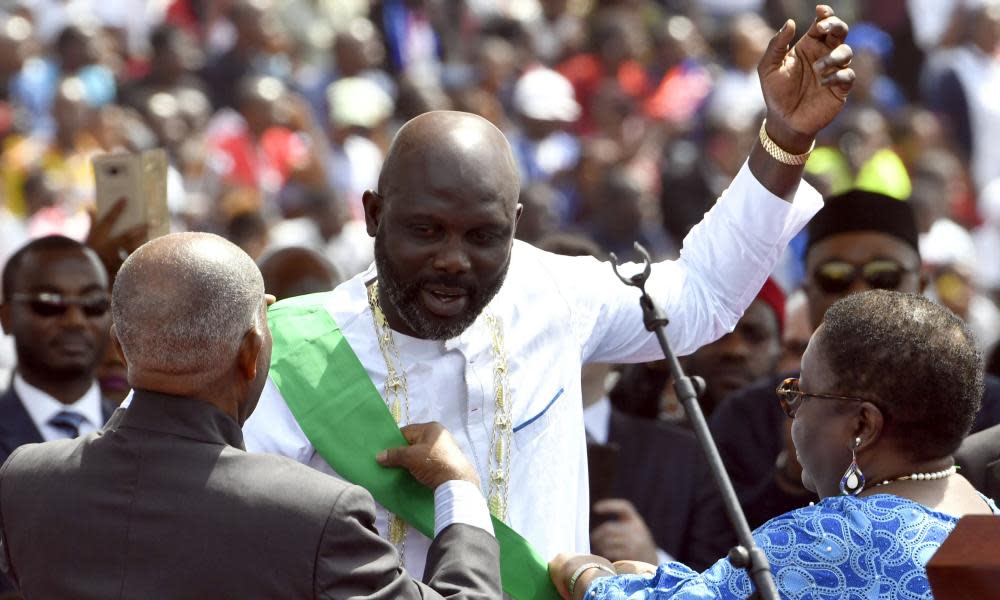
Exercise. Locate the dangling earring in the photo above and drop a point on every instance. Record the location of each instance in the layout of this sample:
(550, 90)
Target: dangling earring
(853, 480)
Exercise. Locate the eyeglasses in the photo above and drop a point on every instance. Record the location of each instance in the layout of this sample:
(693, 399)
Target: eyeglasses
(791, 397)
(837, 276)
(48, 304)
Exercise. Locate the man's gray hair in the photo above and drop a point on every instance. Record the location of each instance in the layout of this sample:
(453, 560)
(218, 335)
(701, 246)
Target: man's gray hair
(182, 303)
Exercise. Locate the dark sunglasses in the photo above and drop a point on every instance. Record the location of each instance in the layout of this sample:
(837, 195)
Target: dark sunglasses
(791, 397)
(48, 304)
(837, 276)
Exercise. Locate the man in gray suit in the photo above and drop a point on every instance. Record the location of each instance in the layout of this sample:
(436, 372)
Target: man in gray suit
(165, 503)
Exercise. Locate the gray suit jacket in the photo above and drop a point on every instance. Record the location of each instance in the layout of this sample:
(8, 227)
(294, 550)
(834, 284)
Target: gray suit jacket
(166, 504)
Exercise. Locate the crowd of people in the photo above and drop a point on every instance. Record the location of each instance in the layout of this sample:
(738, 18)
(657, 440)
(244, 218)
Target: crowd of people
(391, 152)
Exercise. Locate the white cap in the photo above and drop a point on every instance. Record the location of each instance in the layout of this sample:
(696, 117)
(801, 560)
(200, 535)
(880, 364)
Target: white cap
(546, 95)
(359, 102)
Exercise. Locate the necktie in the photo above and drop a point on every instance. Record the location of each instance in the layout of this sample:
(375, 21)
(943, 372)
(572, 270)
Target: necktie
(68, 422)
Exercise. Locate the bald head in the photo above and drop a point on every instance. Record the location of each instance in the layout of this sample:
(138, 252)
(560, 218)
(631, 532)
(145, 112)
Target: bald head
(296, 271)
(451, 150)
(183, 297)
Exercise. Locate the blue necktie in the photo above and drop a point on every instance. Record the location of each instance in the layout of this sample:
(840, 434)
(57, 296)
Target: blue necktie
(68, 422)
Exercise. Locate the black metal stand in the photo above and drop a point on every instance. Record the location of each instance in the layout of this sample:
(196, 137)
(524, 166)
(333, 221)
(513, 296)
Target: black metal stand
(746, 555)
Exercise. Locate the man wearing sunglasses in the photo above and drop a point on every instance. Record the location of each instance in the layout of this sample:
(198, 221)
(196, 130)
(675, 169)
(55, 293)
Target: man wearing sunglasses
(858, 241)
(56, 306)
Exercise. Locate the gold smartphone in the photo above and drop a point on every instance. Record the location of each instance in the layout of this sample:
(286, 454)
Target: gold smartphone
(142, 180)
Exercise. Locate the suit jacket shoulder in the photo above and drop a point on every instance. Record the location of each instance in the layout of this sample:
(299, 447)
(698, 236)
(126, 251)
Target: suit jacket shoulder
(16, 426)
(979, 458)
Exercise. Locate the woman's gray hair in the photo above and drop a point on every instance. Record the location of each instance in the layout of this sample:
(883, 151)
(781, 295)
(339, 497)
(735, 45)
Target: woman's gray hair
(182, 303)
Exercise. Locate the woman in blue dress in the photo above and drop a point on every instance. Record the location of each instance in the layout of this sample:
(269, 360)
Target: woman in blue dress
(890, 384)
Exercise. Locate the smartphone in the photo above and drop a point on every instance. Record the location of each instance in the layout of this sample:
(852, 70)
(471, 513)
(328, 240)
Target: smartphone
(141, 179)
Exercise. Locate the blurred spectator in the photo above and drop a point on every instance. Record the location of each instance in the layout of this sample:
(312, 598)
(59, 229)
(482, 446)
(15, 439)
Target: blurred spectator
(64, 161)
(540, 217)
(625, 214)
(987, 240)
(616, 40)
(55, 305)
(254, 148)
(961, 83)
(727, 365)
(685, 80)
(862, 158)
(356, 51)
(949, 258)
(796, 332)
(693, 177)
(294, 271)
(258, 50)
(747, 37)
(175, 58)
(414, 44)
(545, 107)
(359, 111)
(74, 55)
(872, 51)
(916, 130)
(555, 31)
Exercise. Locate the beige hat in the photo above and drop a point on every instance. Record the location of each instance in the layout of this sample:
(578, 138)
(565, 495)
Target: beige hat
(546, 95)
(358, 102)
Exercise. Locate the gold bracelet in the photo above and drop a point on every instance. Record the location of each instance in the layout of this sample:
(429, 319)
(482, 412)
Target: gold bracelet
(780, 154)
(582, 569)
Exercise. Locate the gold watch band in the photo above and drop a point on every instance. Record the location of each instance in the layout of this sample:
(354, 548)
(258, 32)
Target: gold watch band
(780, 154)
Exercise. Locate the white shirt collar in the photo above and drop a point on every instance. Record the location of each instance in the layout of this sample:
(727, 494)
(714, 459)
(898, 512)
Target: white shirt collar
(597, 420)
(42, 407)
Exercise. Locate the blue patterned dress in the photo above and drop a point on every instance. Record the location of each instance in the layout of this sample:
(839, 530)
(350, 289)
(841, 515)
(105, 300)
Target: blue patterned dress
(843, 548)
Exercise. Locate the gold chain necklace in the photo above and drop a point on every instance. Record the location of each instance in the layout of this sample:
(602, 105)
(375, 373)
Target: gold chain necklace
(397, 398)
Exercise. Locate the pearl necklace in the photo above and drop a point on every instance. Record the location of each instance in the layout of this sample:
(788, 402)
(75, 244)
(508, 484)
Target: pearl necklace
(942, 474)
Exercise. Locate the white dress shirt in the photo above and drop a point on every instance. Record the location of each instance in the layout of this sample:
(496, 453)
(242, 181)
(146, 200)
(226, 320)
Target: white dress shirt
(42, 407)
(557, 312)
(597, 420)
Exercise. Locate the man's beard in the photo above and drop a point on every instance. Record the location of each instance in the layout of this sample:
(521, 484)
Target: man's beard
(37, 361)
(405, 298)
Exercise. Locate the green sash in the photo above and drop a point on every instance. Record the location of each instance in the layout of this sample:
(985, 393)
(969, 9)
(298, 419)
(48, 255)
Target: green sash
(346, 420)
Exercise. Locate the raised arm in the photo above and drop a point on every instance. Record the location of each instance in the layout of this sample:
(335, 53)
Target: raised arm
(804, 87)
(726, 258)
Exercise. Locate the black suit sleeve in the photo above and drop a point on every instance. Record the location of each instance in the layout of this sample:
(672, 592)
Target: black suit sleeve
(979, 459)
(8, 577)
(710, 535)
(354, 562)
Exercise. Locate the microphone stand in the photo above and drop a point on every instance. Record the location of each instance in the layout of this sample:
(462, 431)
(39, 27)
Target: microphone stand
(746, 555)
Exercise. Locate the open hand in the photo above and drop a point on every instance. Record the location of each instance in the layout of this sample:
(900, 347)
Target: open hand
(625, 536)
(113, 250)
(432, 457)
(562, 567)
(805, 86)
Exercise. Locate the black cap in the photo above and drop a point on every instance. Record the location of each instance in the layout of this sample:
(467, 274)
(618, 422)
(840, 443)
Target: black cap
(860, 210)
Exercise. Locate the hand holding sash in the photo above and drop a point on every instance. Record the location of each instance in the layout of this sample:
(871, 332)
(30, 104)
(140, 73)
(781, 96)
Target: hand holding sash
(432, 457)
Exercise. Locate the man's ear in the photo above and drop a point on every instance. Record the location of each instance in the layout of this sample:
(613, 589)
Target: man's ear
(117, 345)
(5, 317)
(374, 206)
(246, 358)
